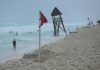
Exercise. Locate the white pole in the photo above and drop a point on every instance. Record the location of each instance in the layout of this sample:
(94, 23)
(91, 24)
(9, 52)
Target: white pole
(39, 43)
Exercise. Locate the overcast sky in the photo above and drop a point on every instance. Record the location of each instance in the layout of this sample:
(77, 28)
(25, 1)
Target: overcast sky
(27, 11)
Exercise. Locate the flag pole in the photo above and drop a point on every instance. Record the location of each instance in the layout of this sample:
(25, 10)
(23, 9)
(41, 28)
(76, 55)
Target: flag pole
(39, 53)
(42, 20)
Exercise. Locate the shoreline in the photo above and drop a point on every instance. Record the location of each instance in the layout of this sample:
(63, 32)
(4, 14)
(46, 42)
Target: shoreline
(33, 49)
(78, 51)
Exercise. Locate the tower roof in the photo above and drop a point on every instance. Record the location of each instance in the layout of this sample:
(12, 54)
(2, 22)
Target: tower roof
(55, 12)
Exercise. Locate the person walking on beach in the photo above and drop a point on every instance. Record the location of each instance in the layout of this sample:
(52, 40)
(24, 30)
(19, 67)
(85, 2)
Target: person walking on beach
(88, 22)
(67, 31)
(14, 43)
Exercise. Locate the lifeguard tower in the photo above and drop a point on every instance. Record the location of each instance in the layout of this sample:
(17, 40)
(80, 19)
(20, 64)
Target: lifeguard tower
(57, 21)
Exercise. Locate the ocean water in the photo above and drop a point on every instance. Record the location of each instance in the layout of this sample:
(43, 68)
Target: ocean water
(27, 38)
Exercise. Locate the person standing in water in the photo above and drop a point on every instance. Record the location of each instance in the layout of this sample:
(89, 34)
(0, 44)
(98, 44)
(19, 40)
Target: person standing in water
(14, 43)
(16, 33)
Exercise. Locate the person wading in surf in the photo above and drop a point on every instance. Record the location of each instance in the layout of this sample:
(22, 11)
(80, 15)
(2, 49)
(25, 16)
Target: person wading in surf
(14, 43)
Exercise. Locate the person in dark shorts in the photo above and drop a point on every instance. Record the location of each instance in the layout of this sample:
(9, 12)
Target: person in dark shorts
(14, 43)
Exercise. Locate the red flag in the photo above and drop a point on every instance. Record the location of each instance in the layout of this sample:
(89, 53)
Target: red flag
(42, 19)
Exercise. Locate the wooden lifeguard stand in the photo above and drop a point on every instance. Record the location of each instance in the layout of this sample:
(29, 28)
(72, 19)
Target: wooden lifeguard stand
(57, 21)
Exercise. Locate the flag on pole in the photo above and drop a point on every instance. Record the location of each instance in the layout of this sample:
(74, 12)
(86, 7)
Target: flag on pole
(42, 19)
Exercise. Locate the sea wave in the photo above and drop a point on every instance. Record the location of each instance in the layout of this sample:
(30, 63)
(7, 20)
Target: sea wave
(24, 39)
(4, 42)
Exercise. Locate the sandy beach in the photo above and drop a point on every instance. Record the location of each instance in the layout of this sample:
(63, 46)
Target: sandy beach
(78, 51)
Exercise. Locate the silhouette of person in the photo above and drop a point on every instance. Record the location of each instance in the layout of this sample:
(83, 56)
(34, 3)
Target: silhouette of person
(16, 33)
(14, 43)
(68, 31)
(88, 22)
(10, 32)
